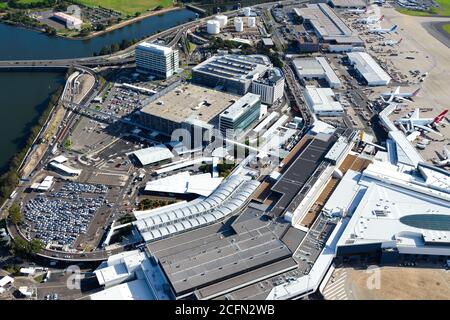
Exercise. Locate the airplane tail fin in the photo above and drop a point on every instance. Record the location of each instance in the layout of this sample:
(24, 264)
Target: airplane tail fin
(446, 152)
(415, 93)
(399, 40)
(381, 18)
(394, 28)
(440, 117)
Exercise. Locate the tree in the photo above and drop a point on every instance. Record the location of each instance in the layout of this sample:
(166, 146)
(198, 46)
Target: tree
(85, 30)
(19, 248)
(115, 47)
(35, 246)
(14, 214)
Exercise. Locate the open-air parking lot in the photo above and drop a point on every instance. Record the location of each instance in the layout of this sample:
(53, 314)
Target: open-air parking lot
(122, 101)
(61, 216)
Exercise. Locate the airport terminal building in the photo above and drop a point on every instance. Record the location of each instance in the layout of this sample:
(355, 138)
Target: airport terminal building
(328, 27)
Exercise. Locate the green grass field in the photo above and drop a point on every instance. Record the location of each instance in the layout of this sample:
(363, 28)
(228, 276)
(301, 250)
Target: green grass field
(446, 28)
(127, 7)
(443, 10)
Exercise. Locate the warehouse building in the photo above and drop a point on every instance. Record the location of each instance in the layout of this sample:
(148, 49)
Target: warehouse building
(153, 155)
(316, 68)
(235, 120)
(71, 22)
(368, 69)
(156, 60)
(327, 25)
(322, 102)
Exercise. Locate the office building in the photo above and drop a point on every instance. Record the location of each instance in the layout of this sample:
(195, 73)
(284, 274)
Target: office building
(269, 86)
(156, 60)
(235, 120)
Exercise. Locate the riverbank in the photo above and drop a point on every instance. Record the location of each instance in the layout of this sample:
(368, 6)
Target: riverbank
(24, 44)
(93, 34)
(9, 180)
(126, 23)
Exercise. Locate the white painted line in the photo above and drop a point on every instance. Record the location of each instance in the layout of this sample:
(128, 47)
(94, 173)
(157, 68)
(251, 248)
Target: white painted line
(335, 289)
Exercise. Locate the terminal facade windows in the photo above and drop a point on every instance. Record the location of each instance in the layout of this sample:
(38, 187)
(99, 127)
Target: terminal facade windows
(157, 64)
(240, 123)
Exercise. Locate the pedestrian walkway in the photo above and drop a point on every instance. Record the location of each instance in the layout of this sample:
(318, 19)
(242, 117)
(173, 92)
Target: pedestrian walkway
(335, 288)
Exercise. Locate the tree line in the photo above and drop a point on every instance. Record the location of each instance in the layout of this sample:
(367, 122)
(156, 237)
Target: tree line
(10, 179)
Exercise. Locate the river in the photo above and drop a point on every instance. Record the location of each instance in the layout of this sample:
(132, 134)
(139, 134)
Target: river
(24, 44)
(23, 95)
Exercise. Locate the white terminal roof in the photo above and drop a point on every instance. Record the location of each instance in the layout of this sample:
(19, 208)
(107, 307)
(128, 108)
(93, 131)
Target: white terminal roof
(225, 200)
(337, 149)
(68, 17)
(395, 209)
(45, 185)
(241, 106)
(184, 182)
(317, 67)
(405, 152)
(131, 275)
(321, 127)
(321, 100)
(5, 280)
(153, 154)
(60, 159)
(369, 68)
(65, 168)
(154, 48)
(133, 290)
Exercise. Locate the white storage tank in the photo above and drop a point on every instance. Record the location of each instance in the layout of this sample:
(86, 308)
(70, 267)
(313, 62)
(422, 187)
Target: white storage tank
(239, 24)
(213, 26)
(251, 22)
(247, 11)
(222, 19)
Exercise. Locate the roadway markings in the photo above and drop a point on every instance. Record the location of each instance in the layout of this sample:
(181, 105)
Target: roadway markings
(335, 289)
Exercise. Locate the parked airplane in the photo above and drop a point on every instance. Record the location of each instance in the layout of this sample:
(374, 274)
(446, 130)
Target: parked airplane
(426, 124)
(396, 95)
(392, 42)
(445, 161)
(357, 11)
(370, 20)
(382, 31)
